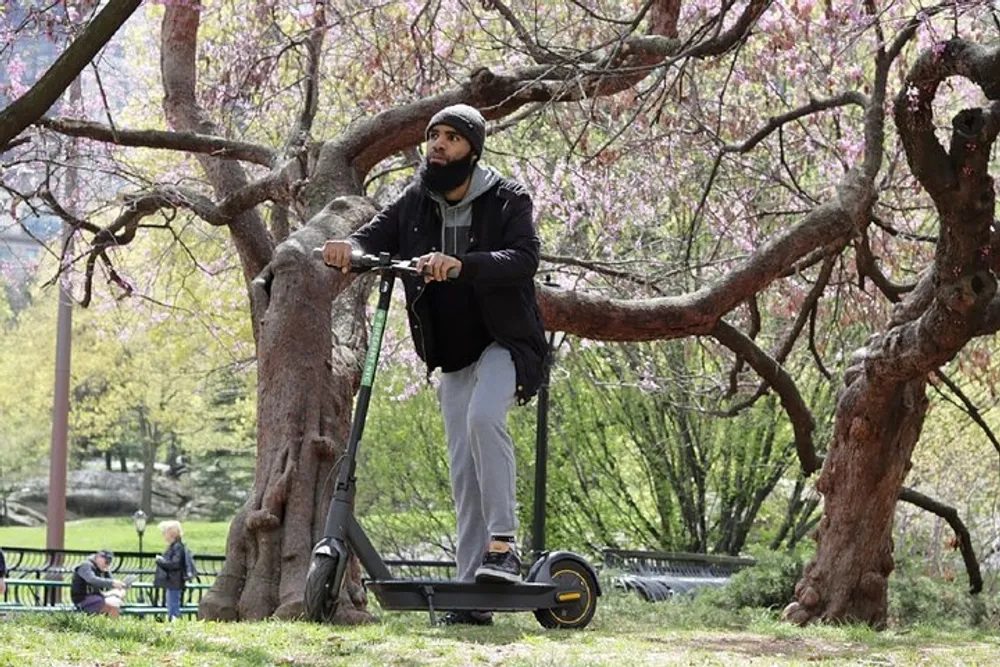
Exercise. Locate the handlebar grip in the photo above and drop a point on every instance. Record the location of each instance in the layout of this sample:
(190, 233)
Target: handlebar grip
(363, 262)
(357, 260)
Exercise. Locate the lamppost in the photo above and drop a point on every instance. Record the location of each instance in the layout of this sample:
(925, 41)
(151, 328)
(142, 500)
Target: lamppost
(139, 520)
(542, 440)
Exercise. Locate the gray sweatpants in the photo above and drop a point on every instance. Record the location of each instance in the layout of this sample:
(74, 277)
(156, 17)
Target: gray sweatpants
(475, 401)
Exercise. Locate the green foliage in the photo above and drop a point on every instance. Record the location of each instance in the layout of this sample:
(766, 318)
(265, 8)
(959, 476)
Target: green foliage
(916, 597)
(644, 458)
(769, 584)
(919, 597)
(172, 372)
(226, 478)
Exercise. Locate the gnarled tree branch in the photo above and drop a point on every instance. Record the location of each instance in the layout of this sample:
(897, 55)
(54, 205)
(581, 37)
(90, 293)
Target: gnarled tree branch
(177, 65)
(808, 305)
(348, 158)
(950, 514)
(776, 376)
(696, 313)
(189, 142)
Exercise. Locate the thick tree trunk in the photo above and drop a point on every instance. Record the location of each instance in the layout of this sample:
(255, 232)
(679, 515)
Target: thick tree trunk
(876, 431)
(305, 396)
(308, 371)
(881, 412)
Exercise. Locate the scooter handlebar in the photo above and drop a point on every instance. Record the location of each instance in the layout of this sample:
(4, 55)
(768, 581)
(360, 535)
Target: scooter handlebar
(361, 262)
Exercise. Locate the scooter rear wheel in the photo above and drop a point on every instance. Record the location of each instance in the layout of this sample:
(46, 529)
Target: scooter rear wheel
(320, 598)
(578, 588)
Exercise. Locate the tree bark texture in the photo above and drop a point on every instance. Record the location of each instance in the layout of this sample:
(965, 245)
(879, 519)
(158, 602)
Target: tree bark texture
(308, 372)
(881, 410)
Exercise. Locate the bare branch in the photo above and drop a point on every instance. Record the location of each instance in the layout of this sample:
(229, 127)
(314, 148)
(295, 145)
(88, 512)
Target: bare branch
(178, 45)
(538, 53)
(773, 123)
(776, 376)
(950, 515)
(369, 141)
(310, 102)
(969, 407)
(123, 229)
(867, 268)
(26, 109)
(812, 344)
(808, 306)
(731, 37)
(70, 219)
(734, 372)
(189, 142)
(603, 269)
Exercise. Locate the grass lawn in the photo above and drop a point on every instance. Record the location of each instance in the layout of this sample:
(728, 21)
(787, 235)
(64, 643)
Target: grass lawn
(625, 632)
(118, 534)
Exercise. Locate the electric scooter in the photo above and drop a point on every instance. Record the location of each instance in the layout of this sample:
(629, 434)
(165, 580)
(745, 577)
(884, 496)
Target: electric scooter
(561, 587)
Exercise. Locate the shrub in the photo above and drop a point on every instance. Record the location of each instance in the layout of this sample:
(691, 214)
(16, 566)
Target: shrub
(770, 583)
(918, 598)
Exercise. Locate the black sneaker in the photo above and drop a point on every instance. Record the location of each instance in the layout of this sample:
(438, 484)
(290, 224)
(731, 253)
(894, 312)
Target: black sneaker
(467, 618)
(499, 567)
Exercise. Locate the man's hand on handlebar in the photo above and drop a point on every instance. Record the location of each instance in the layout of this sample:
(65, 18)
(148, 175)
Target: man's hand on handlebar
(338, 254)
(436, 265)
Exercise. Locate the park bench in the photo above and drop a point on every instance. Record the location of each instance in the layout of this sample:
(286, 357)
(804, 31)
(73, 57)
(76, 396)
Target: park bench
(48, 595)
(656, 575)
(38, 580)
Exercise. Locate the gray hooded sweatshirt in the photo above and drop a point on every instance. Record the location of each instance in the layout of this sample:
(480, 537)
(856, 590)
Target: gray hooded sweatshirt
(455, 316)
(457, 218)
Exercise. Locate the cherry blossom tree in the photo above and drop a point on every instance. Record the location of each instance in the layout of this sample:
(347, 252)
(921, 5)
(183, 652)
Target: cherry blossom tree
(723, 171)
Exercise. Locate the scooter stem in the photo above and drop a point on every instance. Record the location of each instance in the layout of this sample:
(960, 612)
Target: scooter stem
(346, 480)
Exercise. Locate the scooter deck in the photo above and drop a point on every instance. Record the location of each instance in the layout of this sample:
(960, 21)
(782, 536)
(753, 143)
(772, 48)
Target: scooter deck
(423, 594)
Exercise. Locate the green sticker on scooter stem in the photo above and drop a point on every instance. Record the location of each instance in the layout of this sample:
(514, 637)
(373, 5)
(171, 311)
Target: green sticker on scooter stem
(371, 359)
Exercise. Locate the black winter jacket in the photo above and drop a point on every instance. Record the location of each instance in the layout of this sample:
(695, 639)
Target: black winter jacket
(88, 579)
(170, 567)
(500, 264)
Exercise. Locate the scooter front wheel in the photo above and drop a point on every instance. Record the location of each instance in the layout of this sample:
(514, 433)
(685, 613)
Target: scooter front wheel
(321, 599)
(576, 591)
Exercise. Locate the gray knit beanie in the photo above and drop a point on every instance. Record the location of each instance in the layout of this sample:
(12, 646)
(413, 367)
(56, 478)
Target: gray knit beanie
(466, 120)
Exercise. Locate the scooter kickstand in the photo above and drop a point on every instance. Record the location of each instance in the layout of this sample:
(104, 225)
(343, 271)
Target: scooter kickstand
(428, 592)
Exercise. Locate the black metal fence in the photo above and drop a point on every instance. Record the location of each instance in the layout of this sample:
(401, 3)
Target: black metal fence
(682, 564)
(41, 577)
(26, 562)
